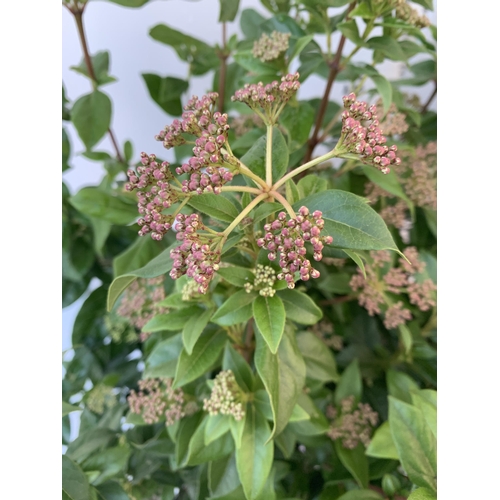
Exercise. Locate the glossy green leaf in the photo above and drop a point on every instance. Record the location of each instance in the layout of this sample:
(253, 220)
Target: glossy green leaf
(228, 10)
(351, 222)
(320, 363)
(254, 458)
(130, 3)
(355, 462)
(298, 121)
(111, 490)
(109, 462)
(426, 400)
(415, 443)
(250, 22)
(384, 88)
(358, 259)
(361, 495)
(67, 408)
(215, 206)
(75, 484)
(91, 116)
(103, 205)
(161, 264)
(66, 150)
(223, 477)
(142, 251)
(89, 442)
(205, 354)
(255, 158)
(162, 361)
(423, 494)
(350, 30)
(292, 192)
(100, 63)
(237, 276)
(311, 184)
(299, 307)
(250, 63)
(382, 445)
(172, 321)
(166, 92)
(388, 46)
(269, 315)
(88, 321)
(236, 309)
(235, 362)
(283, 375)
(215, 427)
(400, 384)
(263, 210)
(350, 384)
(194, 327)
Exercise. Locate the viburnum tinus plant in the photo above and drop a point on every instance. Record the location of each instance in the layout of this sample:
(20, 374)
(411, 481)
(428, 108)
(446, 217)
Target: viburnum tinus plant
(265, 321)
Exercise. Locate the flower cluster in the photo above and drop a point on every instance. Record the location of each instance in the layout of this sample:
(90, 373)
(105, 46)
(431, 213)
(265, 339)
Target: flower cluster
(394, 122)
(265, 276)
(267, 48)
(272, 97)
(193, 256)
(240, 125)
(407, 13)
(324, 331)
(366, 141)
(226, 397)
(157, 400)
(154, 194)
(397, 280)
(286, 239)
(139, 303)
(100, 398)
(353, 425)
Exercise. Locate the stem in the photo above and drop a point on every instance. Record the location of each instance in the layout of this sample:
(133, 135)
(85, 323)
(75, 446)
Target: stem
(222, 71)
(269, 155)
(309, 164)
(179, 208)
(285, 203)
(242, 189)
(427, 104)
(244, 213)
(78, 15)
(246, 171)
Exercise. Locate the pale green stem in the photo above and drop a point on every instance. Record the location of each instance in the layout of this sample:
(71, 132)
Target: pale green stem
(368, 29)
(269, 155)
(285, 203)
(179, 208)
(243, 189)
(309, 164)
(244, 170)
(244, 213)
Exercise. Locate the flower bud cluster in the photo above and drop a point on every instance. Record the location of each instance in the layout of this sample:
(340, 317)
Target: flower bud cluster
(397, 280)
(353, 425)
(154, 194)
(268, 48)
(286, 239)
(211, 129)
(270, 97)
(265, 277)
(139, 302)
(226, 397)
(157, 400)
(394, 122)
(100, 398)
(324, 331)
(407, 13)
(366, 141)
(193, 257)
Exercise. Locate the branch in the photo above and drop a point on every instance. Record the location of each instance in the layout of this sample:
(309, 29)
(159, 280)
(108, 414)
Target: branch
(78, 15)
(427, 104)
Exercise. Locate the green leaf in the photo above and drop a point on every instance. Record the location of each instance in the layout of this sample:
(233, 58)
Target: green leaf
(67, 408)
(299, 307)
(350, 221)
(215, 206)
(423, 494)
(89, 442)
(400, 384)
(431, 219)
(283, 375)
(263, 405)
(350, 384)
(201, 56)
(425, 3)
(101, 229)
(228, 10)
(361, 495)
(236, 309)
(205, 354)
(415, 443)
(255, 158)
(357, 258)
(75, 484)
(355, 462)
(384, 88)
(298, 121)
(234, 361)
(162, 362)
(111, 490)
(254, 458)
(292, 192)
(100, 63)
(388, 46)
(426, 400)
(110, 462)
(91, 116)
(66, 150)
(350, 30)
(166, 92)
(263, 210)
(320, 363)
(97, 203)
(237, 276)
(223, 480)
(249, 62)
(172, 321)
(382, 445)
(142, 250)
(362, 10)
(250, 21)
(299, 46)
(215, 427)
(237, 427)
(130, 3)
(311, 184)
(194, 328)
(161, 264)
(269, 314)
(88, 321)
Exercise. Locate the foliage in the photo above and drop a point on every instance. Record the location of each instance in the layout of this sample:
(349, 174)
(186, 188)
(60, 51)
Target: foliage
(271, 331)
